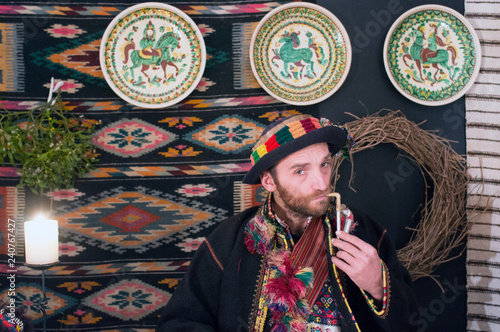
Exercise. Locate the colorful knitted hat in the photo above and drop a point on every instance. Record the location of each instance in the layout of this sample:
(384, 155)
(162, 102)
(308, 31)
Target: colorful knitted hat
(289, 135)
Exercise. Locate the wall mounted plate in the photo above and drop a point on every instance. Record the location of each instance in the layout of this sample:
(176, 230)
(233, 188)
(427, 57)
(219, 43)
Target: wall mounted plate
(300, 53)
(152, 55)
(432, 55)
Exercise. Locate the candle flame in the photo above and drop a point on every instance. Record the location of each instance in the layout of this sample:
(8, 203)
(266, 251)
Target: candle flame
(40, 217)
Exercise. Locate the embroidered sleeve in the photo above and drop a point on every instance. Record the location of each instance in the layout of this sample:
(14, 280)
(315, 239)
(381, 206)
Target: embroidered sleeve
(382, 308)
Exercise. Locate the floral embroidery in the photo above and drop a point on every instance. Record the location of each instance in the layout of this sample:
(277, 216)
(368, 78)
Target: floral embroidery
(285, 293)
(286, 287)
(259, 235)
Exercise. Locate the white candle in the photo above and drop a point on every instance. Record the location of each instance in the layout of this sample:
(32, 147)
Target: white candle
(41, 238)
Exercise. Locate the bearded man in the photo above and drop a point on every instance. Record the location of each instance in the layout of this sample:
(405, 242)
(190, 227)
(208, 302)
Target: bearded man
(285, 265)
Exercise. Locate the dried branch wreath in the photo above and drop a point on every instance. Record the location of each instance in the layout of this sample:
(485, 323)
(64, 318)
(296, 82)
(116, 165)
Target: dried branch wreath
(444, 223)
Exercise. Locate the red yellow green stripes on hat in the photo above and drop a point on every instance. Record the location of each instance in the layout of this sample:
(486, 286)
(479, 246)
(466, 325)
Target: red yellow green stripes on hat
(284, 134)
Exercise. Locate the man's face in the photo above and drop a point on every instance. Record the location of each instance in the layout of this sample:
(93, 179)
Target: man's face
(302, 181)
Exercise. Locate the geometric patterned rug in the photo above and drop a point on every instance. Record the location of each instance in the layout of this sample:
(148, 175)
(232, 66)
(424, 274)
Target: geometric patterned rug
(165, 179)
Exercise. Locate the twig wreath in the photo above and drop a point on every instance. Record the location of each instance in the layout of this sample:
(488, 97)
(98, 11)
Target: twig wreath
(444, 224)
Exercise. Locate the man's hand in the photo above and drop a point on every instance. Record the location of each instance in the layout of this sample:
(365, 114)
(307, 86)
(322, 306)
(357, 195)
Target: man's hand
(360, 262)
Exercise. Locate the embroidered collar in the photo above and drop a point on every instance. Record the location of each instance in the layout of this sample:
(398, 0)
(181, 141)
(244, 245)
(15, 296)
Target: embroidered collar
(263, 231)
(287, 228)
(287, 285)
(285, 290)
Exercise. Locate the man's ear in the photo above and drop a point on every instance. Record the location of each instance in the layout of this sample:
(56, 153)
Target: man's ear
(267, 181)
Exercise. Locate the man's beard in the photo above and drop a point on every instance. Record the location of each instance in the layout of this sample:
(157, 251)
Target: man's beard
(300, 205)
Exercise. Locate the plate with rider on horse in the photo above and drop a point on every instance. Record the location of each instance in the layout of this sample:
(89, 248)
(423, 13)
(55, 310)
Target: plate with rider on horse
(300, 53)
(432, 55)
(152, 55)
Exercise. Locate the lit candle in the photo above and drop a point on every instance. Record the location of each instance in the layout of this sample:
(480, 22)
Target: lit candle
(41, 238)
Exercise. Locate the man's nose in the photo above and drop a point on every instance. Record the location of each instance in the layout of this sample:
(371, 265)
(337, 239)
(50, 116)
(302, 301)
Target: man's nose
(320, 181)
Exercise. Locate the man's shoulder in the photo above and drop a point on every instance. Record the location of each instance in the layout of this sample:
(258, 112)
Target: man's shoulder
(366, 228)
(370, 231)
(227, 239)
(231, 228)
(364, 219)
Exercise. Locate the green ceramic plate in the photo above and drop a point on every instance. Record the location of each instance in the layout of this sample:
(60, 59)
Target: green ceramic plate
(152, 55)
(432, 55)
(300, 53)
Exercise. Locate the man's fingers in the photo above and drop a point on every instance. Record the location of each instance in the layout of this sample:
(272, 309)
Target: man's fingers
(361, 245)
(346, 247)
(345, 256)
(340, 264)
(356, 241)
(360, 261)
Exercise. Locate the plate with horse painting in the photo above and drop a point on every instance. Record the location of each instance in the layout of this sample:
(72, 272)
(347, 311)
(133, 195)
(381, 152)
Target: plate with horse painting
(152, 55)
(432, 55)
(300, 53)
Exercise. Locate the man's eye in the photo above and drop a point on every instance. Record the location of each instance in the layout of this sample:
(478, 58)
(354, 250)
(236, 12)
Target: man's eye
(299, 171)
(325, 164)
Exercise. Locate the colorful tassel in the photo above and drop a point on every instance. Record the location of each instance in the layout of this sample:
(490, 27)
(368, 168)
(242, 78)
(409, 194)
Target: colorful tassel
(258, 235)
(285, 292)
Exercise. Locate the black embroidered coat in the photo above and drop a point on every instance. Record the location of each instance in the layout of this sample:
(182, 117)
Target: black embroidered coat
(221, 289)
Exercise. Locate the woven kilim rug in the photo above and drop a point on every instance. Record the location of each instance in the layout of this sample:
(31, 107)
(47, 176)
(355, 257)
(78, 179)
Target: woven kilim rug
(165, 179)
(483, 153)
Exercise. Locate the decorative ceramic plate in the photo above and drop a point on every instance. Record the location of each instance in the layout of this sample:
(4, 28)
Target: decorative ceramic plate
(432, 55)
(300, 53)
(152, 55)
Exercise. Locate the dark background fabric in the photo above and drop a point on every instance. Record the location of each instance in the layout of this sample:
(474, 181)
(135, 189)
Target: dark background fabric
(114, 276)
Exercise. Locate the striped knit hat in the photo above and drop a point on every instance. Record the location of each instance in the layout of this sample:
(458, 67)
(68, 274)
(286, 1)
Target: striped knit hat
(289, 135)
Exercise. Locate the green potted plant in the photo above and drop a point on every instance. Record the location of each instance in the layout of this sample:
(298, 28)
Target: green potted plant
(48, 143)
